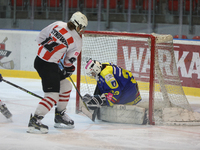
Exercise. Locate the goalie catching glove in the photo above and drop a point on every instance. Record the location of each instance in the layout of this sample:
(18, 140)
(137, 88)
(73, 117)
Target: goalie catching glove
(95, 101)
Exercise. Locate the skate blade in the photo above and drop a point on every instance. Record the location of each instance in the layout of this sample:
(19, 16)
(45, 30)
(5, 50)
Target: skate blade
(9, 119)
(8, 116)
(36, 131)
(63, 126)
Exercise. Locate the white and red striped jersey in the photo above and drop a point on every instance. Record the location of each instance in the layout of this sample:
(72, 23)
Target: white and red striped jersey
(56, 40)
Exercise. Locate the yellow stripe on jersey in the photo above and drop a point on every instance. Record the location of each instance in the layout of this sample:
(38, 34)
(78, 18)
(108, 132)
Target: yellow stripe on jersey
(107, 74)
(110, 103)
(135, 101)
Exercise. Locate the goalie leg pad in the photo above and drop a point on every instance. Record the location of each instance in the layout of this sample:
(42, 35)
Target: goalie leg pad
(129, 114)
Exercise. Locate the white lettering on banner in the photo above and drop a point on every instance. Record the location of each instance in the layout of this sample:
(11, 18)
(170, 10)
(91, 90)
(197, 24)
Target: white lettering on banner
(128, 62)
(136, 61)
(180, 63)
(133, 58)
(195, 62)
(136, 57)
(167, 63)
(146, 62)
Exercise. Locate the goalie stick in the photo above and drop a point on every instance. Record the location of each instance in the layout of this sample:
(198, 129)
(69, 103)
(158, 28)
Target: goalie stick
(84, 107)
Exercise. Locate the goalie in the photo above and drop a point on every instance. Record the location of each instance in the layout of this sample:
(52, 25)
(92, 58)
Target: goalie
(115, 85)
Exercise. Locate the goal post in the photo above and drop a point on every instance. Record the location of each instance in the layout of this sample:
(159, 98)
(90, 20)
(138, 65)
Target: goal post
(150, 58)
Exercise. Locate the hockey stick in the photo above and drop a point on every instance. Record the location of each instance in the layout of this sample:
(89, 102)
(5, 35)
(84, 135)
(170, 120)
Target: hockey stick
(84, 108)
(75, 87)
(29, 92)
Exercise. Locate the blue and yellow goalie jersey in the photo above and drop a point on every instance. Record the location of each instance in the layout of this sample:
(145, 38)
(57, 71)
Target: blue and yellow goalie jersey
(118, 85)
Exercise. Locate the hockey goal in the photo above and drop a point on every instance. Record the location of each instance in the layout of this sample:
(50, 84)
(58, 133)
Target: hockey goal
(150, 58)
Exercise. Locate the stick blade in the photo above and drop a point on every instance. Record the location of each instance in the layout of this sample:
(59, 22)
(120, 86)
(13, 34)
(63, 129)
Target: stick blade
(85, 110)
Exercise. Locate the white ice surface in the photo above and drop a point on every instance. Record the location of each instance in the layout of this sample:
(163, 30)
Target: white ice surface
(86, 135)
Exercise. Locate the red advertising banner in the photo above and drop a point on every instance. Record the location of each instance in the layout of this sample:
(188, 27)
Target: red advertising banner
(135, 56)
(2, 47)
(188, 64)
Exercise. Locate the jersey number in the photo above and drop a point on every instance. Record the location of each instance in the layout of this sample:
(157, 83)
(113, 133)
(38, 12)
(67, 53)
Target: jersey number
(49, 44)
(127, 74)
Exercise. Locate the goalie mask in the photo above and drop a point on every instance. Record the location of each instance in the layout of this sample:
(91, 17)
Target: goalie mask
(79, 20)
(93, 69)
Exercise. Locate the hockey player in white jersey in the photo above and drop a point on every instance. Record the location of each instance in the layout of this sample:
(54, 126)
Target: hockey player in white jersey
(57, 41)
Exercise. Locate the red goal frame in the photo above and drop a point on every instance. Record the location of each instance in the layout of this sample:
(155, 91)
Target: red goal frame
(152, 62)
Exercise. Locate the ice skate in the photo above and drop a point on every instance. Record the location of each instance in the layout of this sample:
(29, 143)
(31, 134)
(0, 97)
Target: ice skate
(62, 120)
(4, 110)
(35, 125)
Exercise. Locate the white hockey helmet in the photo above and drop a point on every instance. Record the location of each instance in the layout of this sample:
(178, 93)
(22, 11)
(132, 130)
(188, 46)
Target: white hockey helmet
(93, 69)
(79, 20)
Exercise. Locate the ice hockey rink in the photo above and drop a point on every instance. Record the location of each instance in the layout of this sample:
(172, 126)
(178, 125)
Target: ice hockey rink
(86, 135)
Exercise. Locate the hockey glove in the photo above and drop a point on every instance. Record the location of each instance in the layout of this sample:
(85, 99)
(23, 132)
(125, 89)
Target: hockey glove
(86, 98)
(95, 101)
(68, 71)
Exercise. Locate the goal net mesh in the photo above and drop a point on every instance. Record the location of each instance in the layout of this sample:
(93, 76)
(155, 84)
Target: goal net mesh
(133, 52)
